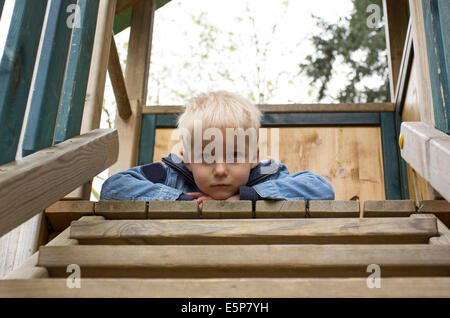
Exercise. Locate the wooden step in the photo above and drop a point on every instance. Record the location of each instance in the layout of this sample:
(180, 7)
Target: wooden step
(257, 231)
(229, 287)
(196, 261)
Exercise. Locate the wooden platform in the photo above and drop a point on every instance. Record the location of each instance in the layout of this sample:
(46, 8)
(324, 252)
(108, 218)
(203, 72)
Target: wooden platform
(300, 249)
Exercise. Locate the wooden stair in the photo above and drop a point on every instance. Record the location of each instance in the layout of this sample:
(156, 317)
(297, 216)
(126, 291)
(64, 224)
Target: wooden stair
(282, 249)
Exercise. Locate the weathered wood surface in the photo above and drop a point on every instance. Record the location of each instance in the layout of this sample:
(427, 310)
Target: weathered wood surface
(29, 185)
(440, 208)
(30, 270)
(247, 260)
(118, 82)
(416, 287)
(173, 210)
(330, 209)
(60, 214)
(121, 209)
(292, 108)
(427, 151)
(280, 209)
(388, 208)
(444, 233)
(217, 209)
(256, 231)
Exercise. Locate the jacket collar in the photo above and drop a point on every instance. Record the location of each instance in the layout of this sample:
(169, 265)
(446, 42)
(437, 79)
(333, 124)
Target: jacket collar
(263, 170)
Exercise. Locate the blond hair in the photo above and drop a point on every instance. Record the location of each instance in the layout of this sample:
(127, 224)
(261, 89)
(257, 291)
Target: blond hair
(219, 109)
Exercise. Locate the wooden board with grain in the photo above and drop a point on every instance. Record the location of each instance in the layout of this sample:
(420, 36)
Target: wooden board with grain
(256, 231)
(280, 209)
(247, 260)
(218, 209)
(173, 210)
(333, 209)
(61, 213)
(31, 184)
(112, 209)
(388, 208)
(416, 287)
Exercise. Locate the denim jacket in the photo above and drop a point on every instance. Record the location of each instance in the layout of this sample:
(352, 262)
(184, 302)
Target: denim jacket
(171, 180)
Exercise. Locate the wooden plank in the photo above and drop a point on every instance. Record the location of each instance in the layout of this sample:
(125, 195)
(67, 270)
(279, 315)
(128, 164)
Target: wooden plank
(118, 82)
(30, 269)
(291, 108)
(333, 209)
(444, 232)
(121, 209)
(247, 260)
(29, 185)
(218, 209)
(16, 71)
(416, 287)
(50, 69)
(396, 24)
(77, 73)
(280, 209)
(388, 208)
(440, 208)
(62, 213)
(173, 210)
(136, 78)
(427, 151)
(279, 231)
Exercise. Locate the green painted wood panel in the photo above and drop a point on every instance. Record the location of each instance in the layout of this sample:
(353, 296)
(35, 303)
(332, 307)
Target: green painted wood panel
(77, 74)
(49, 78)
(390, 151)
(16, 70)
(147, 140)
(437, 30)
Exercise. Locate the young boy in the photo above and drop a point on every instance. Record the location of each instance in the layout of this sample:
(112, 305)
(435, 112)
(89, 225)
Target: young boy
(204, 173)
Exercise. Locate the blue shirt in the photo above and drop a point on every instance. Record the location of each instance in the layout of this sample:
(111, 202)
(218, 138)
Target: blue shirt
(171, 180)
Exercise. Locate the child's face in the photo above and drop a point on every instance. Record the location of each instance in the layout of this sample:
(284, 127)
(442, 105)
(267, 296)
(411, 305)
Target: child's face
(222, 180)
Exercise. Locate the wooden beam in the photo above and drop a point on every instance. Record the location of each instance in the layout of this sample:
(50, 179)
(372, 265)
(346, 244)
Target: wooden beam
(123, 5)
(118, 82)
(444, 233)
(136, 78)
(396, 25)
(62, 213)
(30, 270)
(121, 209)
(427, 151)
(333, 209)
(29, 185)
(279, 231)
(416, 287)
(292, 108)
(247, 260)
(388, 208)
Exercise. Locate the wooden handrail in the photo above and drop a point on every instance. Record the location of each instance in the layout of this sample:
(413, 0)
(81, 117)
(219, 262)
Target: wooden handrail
(118, 82)
(292, 108)
(29, 185)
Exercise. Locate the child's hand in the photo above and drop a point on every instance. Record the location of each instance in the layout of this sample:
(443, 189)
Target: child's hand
(200, 197)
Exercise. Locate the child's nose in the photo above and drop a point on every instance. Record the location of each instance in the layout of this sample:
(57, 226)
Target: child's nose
(220, 169)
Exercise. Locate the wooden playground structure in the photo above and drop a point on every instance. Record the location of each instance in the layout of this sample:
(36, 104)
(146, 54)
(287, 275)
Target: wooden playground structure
(389, 164)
